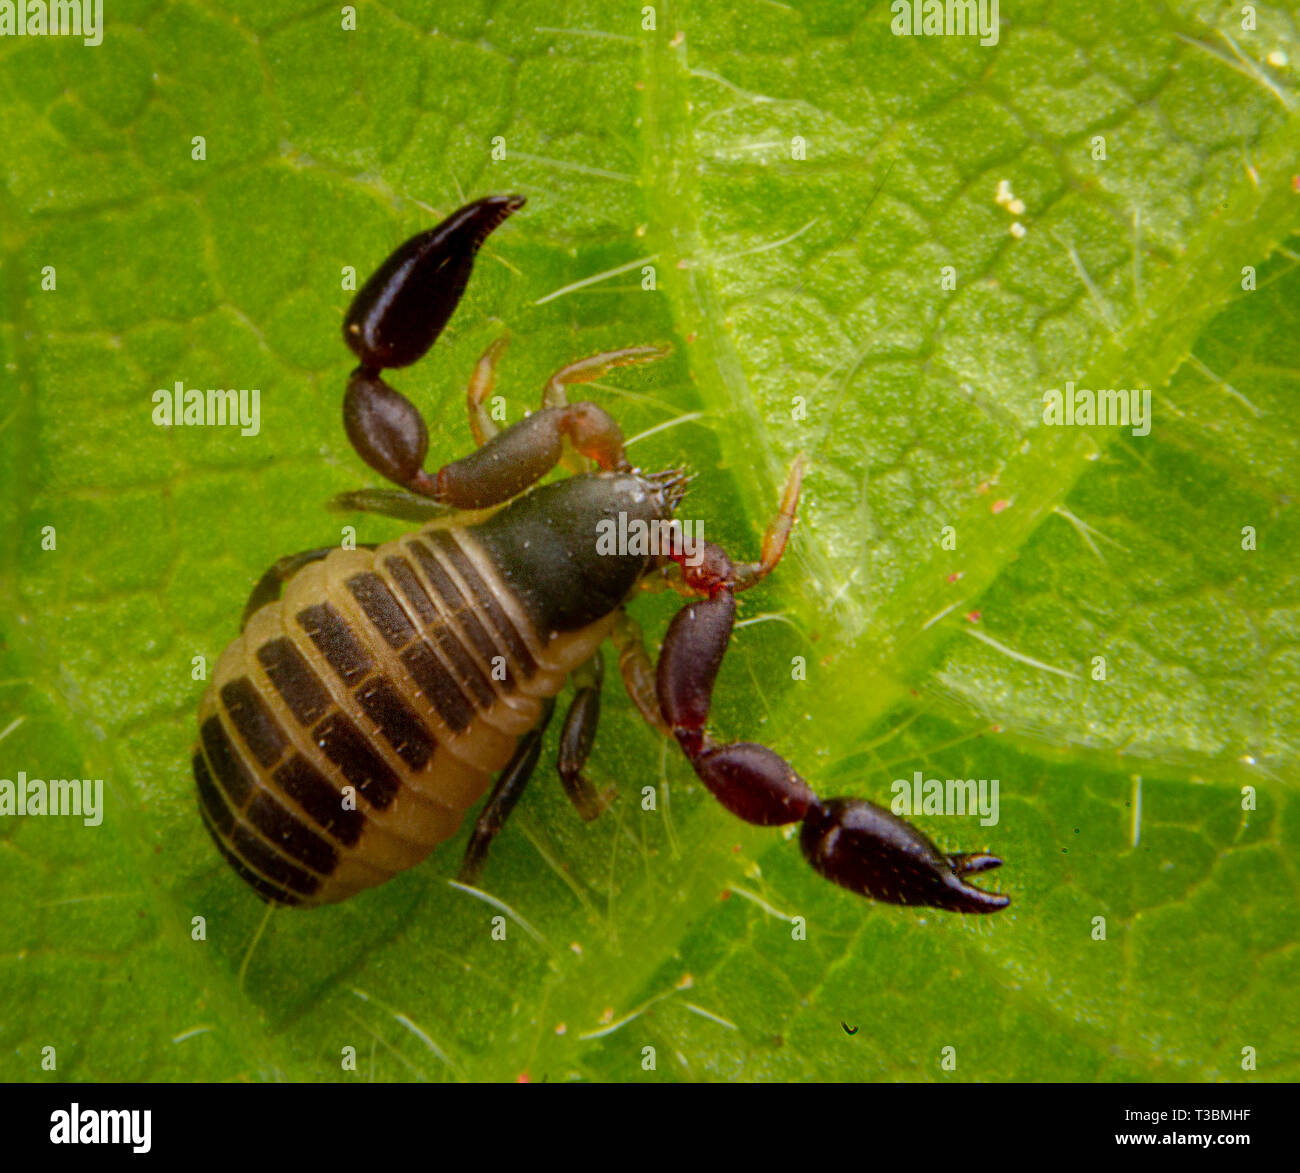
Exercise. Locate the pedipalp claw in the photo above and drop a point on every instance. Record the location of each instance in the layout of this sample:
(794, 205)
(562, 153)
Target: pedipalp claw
(398, 313)
(871, 851)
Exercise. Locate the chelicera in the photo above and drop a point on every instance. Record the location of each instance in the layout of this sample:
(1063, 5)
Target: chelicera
(373, 693)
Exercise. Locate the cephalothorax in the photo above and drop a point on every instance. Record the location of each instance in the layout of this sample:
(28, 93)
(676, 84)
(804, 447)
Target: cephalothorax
(374, 692)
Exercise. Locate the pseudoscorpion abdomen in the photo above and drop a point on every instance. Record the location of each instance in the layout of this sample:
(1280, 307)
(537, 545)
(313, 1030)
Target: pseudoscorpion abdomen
(348, 729)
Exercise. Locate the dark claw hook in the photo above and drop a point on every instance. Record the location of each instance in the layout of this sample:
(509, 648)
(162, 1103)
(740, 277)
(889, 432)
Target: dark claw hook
(967, 864)
(871, 851)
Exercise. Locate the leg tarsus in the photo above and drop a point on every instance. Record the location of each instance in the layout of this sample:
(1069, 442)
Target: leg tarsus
(396, 503)
(509, 786)
(777, 533)
(584, 370)
(481, 424)
(578, 736)
(637, 670)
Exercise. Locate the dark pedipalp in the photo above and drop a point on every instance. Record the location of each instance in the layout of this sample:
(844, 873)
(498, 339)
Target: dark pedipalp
(399, 313)
(852, 842)
(871, 851)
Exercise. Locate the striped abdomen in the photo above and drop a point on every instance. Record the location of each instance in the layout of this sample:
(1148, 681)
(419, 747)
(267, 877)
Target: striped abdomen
(349, 728)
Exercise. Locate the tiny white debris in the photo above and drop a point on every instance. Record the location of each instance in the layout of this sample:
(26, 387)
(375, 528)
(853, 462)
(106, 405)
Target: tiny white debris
(1276, 58)
(1006, 198)
(1018, 230)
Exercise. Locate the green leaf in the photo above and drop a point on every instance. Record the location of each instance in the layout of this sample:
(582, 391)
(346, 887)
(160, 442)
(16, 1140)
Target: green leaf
(806, 301)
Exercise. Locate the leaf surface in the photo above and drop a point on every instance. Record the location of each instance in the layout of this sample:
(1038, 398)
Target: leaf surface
(797, 179)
